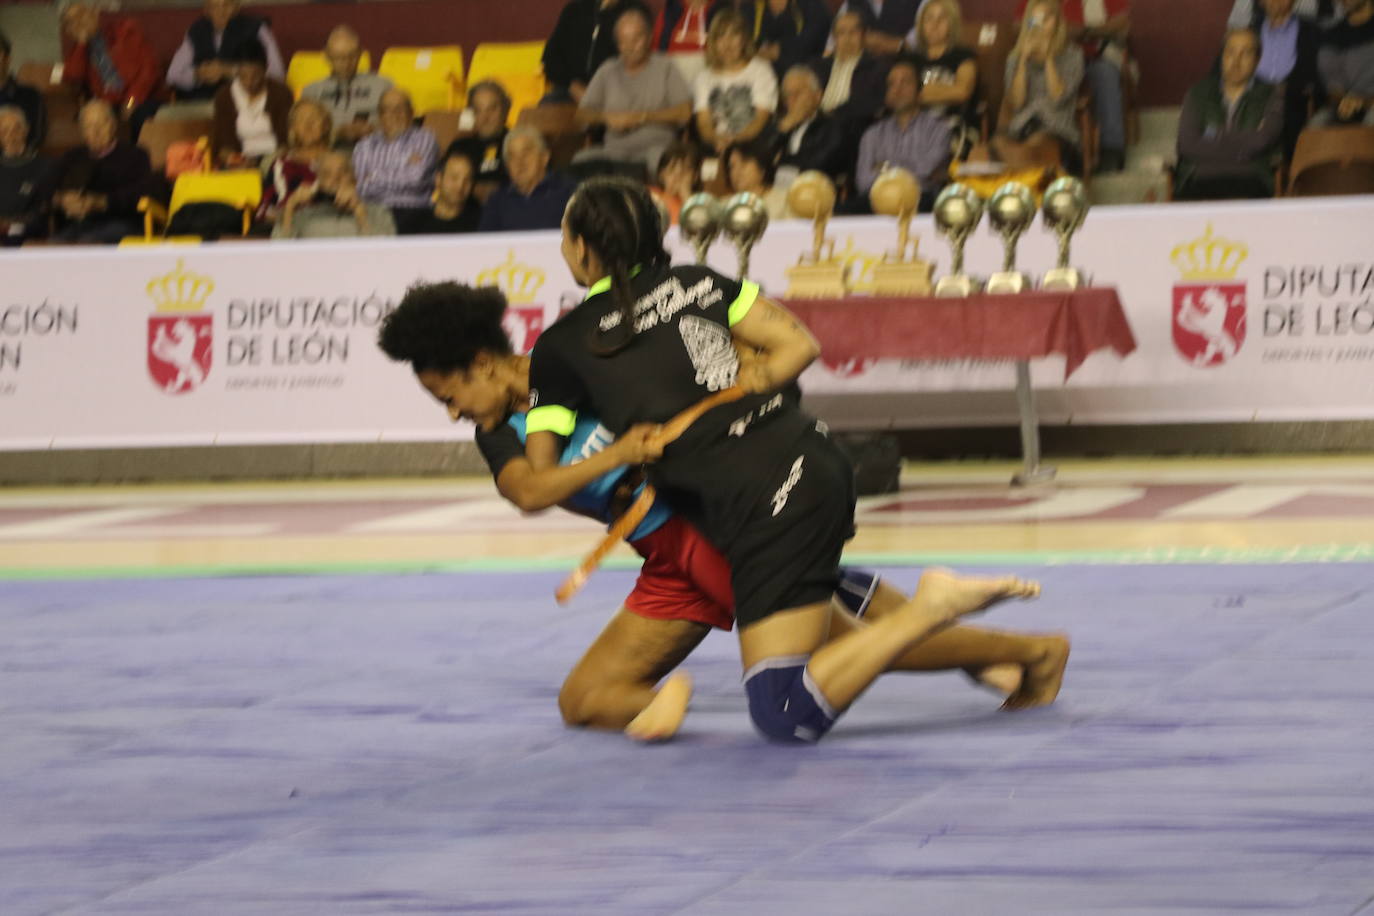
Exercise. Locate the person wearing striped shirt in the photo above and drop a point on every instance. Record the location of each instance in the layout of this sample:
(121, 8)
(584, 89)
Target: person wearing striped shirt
(395, 166)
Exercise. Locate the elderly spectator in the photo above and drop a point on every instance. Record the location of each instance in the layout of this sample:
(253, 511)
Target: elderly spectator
(111, 60)
(737, 94)
(853, 81)
(639, 96)
(100, 182)
(947, 70)
(490, 107)
(307, 140)
(788, 32)
(912, 138)
(330, 208)
(582, 40)
(681, 30)
(678, 177)
(534, 199)
(24, 176)
(204, 62)
(811, 139)
(25, 98)
(454, 209)
(395, 166)
(887, 23)
(352, 97)
(750, 169)
(1249, 12)
(1044, 72)
(1231, 128)
(251, 112)
(1346, 63)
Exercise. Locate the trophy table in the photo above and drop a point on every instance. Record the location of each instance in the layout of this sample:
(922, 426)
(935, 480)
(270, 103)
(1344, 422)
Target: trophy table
(817, 275)
(897, 193)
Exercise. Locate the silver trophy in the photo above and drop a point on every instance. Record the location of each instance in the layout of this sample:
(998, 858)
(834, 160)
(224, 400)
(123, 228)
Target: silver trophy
(1065, 207)
(1011, 211)
(745, 219)
(958, 211)
(700, 222)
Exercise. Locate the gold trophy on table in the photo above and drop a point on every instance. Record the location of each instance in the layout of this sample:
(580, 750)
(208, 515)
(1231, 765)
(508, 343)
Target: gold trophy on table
(817, 275)
(896, 192)
(745, 218)
(700, 222)
(1010, 211)
(958, 211)
(1065, 207)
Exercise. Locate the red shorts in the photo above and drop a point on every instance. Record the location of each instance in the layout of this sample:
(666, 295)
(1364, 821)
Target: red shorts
(684, 577)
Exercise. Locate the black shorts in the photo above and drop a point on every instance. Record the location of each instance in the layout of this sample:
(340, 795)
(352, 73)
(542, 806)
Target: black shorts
(787, 552)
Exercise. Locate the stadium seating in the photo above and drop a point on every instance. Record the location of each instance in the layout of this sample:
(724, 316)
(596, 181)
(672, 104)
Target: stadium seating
(1332, 160)
(240, 189)
(432, 76)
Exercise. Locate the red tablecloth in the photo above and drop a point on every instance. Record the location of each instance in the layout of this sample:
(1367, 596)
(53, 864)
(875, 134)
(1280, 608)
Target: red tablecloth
(1023, 326)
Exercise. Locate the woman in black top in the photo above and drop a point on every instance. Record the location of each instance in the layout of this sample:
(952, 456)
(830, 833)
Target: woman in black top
(948, 71)
(758, 476)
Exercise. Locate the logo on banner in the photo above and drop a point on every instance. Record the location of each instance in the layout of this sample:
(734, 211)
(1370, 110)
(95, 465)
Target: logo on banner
(1209, 305)
(524, 320)
(181, 332)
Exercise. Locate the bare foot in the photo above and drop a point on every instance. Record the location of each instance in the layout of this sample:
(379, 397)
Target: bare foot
(1001, 679)
(949, 596)
(661, 719)
(1043, 677)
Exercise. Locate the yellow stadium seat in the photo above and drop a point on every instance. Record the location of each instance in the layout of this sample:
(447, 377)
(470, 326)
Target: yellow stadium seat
(307, 67)
(239, 188)
(515, 66)
(432, 76)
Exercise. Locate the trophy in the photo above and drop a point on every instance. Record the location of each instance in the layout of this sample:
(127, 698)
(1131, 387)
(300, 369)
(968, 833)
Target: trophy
(745, 219)
(816, 276)
(1010, 211)
(897, 193)
(958, 211)
(1065, 207)
(700, 222)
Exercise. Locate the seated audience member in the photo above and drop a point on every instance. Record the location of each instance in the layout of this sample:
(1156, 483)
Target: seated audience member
(454, 209)
(307, 139)
(788, 32)
(394, 167)
(811, 139)
(1231, 129)
(681, 31)
(24, 176)
(251, 112)
(330, 208)
(947, 71)
(749, 169)
(887, 23)
(737, 94)
(1044, 72)
(853, 81)
(111, 60)
(535, 198)
(206, 59)
(582, 40)
(1248, 12)
(1346, 64)
(26, 98)
(490, 107)
(639, 96)
(912, 138)
(100, 182)
(678, 177)
(351, 97)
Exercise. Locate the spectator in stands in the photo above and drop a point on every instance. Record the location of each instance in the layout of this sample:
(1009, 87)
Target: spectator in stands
(682, 29)
(490, 107)
(100, 182)
(1249, 12)
(330, 207)
(788, 32)
(23, 177)
(535, 198)
(737, 94)
(582, 40)
(911, 137)
(454, 209)
(887, 23)
(1346, 63)
(395, 166)
(640, 98)
(679, 177)
(947, 71)
(26, 98)
(854, 80)
(252, 112)
(205, 61)
(1231, 129)
(111, 60)
(352, 97)
(1044, 72)
(811, 139)
(1289, 45)
(750, 168)
(307, 139)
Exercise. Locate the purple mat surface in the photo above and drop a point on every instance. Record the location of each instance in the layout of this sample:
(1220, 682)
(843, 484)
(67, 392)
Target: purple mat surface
(392, 745)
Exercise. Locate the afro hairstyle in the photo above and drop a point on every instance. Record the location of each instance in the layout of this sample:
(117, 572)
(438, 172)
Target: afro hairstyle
(441, 327)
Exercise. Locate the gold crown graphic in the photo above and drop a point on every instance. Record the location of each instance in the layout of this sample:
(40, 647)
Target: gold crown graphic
(180, 290)
(520, 282)
(1209, 257)
(860, 264)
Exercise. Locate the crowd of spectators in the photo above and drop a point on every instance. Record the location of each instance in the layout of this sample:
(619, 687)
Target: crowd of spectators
(746, 93)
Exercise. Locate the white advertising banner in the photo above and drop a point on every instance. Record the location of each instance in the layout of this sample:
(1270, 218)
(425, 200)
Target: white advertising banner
(1241, 312)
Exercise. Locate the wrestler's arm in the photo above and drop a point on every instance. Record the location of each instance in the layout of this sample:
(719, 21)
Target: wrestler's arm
(538, 481)
(786, 346)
